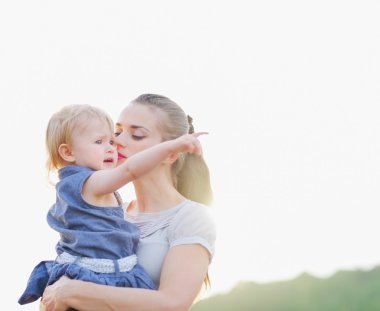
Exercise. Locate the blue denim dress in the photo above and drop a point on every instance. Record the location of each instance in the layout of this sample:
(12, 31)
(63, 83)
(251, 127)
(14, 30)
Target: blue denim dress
(86, 231)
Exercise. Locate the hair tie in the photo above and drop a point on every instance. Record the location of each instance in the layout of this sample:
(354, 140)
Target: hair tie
(191, 127)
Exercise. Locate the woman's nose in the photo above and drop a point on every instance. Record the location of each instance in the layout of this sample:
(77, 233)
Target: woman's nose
(118, 143)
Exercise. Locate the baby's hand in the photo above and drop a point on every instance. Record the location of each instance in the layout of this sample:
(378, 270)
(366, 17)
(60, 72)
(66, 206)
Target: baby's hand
(188, 143)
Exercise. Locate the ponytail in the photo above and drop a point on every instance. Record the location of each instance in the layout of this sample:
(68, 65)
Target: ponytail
(193, 178)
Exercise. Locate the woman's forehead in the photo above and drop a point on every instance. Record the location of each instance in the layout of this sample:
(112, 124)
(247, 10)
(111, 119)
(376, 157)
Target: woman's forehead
(138, 116)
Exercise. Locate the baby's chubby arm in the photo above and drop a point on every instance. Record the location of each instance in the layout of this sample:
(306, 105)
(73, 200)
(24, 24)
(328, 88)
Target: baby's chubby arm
(107, 181)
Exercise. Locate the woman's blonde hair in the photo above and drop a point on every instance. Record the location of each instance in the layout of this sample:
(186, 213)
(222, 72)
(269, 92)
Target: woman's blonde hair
(190, 173)
(61, 126)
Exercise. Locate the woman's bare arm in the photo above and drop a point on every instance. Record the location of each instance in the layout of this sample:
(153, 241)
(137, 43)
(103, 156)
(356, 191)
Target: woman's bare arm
(183, 272)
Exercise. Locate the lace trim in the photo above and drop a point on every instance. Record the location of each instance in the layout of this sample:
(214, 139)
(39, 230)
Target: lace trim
(100, 265)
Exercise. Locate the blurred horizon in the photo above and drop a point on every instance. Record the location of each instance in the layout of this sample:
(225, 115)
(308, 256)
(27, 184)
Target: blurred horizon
(350, 290)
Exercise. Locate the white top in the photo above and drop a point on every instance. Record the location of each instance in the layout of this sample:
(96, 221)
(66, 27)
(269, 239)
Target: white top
(187, 223)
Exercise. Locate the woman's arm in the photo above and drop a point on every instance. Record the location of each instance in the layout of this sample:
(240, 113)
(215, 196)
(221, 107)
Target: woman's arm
(183, 272)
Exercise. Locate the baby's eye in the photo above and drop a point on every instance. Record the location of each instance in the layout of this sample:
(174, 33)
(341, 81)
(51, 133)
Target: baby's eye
(99, 141)
(117, 133)
(112, 142)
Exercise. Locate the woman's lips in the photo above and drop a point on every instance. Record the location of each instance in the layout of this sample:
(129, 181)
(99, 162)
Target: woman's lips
(120, 156)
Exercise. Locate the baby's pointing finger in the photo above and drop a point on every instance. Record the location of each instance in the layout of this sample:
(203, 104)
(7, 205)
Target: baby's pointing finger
(197, 134)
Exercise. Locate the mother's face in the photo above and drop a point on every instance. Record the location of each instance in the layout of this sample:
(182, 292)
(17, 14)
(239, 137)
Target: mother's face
(136, 129)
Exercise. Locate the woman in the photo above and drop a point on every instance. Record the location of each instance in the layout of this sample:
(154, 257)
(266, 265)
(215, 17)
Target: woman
(177, 233)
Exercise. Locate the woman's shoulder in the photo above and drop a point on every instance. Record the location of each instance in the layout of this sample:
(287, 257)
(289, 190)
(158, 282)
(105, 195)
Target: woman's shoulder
(192, 209)
(193, 224)
(193, 219)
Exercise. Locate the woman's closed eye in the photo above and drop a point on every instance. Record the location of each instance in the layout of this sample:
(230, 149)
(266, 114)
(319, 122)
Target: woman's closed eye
(137, 137)
(135, 134)
(138, 134)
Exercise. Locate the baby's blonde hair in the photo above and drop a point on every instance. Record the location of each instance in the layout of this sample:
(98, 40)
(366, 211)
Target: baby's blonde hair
(61, 126)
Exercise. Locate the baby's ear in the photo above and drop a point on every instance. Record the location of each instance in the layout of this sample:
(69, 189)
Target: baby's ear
(65, 152)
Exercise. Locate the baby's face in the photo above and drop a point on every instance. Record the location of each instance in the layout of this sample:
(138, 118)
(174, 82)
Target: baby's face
(93, 145)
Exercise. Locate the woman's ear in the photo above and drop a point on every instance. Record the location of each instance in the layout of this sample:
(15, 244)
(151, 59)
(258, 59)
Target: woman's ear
(171, 158)
(65, 152)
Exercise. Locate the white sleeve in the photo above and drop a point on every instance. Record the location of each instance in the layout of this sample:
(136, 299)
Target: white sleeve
(193, 225)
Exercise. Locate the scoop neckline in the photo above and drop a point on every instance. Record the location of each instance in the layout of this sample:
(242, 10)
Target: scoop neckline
(167, 211)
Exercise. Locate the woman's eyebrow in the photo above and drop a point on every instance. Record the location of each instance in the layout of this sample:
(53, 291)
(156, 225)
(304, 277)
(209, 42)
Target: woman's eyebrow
(133, 126)
(139, 127)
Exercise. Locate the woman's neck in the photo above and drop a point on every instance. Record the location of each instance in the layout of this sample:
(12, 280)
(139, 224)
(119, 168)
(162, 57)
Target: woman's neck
(155, 195)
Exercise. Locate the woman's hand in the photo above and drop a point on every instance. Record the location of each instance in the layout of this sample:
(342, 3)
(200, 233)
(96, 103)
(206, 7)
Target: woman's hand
(53, 297)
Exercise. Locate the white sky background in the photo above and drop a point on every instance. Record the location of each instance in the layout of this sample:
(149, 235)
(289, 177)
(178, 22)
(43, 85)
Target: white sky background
(289, 91)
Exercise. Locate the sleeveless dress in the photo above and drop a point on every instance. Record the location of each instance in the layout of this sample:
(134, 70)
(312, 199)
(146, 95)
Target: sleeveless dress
(96, 243)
